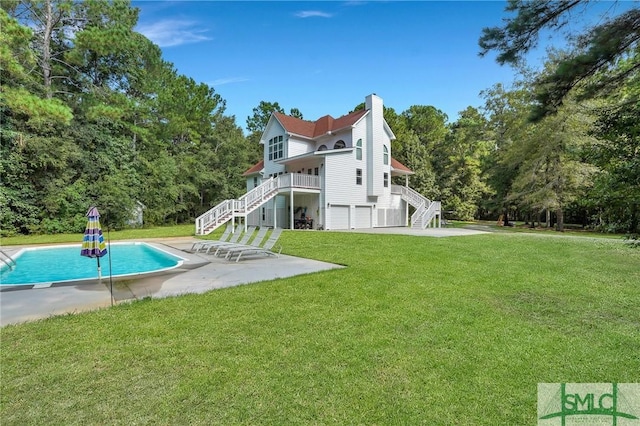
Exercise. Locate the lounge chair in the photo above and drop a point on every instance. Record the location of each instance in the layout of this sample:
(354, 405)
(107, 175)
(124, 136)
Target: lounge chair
(256, 242)
(234, 240)
(231, 237)
(224, 237)
(266, 249)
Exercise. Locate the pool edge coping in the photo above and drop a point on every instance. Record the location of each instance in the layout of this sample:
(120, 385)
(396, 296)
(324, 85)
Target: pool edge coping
(186, 262)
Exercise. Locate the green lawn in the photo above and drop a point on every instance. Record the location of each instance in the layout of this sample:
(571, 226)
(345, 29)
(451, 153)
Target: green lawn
(156, 232)
(415, 331)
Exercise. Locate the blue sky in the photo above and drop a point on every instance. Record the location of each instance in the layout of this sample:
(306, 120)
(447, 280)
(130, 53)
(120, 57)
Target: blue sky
(325, 57)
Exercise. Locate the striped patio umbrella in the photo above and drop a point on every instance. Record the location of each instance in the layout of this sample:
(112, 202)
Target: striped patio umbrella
(93, 242)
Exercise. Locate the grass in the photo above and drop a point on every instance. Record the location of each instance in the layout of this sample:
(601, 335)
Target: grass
(156, 232)
(571, 230)
(415, 331)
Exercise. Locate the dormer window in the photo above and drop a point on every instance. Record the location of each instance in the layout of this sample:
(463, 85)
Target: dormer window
(276, 148)
(322, 148)
(359, 149)
(339, 145)
(385, 155)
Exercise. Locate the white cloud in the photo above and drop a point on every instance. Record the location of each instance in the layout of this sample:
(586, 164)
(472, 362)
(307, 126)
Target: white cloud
(313, 14)
(171, 32)
(229, 80)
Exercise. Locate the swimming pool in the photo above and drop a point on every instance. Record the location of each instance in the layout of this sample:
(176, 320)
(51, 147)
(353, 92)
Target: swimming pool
(64, 263)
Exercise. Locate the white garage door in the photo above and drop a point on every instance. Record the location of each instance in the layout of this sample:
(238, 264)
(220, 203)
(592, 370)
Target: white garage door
(339, 217)
(363, 217)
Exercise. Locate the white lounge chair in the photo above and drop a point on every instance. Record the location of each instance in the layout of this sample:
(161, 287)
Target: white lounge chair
(266, 249)
(235, 236)
(255, 242)
(233, 241)
(197, 246)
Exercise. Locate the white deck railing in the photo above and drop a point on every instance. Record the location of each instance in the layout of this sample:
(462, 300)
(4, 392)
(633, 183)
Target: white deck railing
(299, 180)
(209, 221)
(426, 210)
(261, 193)
(214, 217)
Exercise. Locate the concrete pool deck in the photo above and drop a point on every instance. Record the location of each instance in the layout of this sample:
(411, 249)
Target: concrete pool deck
(199, 273)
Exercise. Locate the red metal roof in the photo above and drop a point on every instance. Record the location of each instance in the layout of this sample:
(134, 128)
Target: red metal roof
(321, 126)
(255, 168)
(396, 165)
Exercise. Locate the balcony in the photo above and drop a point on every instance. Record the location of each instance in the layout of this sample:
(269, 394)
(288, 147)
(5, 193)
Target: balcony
(298, 181)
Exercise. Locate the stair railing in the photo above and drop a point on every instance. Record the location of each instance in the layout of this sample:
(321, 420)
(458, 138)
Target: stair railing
(227, 208)
(257, 195)
(213, 216)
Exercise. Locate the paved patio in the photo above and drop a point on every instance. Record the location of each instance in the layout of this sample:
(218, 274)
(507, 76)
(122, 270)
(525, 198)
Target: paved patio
(199, 273)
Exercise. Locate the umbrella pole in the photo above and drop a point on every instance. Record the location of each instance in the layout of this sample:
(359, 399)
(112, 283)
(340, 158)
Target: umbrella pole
(99, 272)
(110, 273)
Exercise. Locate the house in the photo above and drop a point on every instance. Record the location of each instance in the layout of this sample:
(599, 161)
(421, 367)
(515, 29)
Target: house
(137, 215)
(332, 173)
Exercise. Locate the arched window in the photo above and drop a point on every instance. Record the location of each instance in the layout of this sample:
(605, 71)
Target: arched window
(359, 149)
(322, 148)
(385, 155)
(339, 145)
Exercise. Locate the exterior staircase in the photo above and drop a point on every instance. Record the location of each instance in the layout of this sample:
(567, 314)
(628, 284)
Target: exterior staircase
(229, 209)
(428, 213)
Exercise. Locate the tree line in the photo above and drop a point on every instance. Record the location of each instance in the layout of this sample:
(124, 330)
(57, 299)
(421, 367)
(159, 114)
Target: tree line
(93, 115)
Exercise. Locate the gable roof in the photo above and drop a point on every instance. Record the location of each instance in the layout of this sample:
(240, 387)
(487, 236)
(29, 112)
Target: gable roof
(322, 126)
(255, 169)
(400, 168)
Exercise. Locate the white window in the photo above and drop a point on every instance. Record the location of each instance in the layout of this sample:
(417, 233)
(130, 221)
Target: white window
(359, 149)
(385, 154)
(386, 180)
(339, 145)
(276, 148)
(358, 176)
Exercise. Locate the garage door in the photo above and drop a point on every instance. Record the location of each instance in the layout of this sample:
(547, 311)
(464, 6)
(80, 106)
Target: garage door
(339, 217)
(363, 217)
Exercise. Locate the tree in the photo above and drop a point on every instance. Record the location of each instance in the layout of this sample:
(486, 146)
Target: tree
(461, 157)
(257, 122)
(295, 112)
(507, 112)
(616, 193)
(596, 49)
(551, 171)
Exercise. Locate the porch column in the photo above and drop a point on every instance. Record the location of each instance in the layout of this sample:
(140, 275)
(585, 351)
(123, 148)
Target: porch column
(275, 221)
(406, 209)
(291, 207)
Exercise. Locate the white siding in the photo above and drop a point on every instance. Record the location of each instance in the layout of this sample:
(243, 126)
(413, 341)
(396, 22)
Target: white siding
(297, 147)
(360, 132)
(375, 141)
(340, 180)
(273, 129)
(251, 181)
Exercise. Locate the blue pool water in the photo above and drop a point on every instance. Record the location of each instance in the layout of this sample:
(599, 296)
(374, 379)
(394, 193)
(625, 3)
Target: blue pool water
(64, 263)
